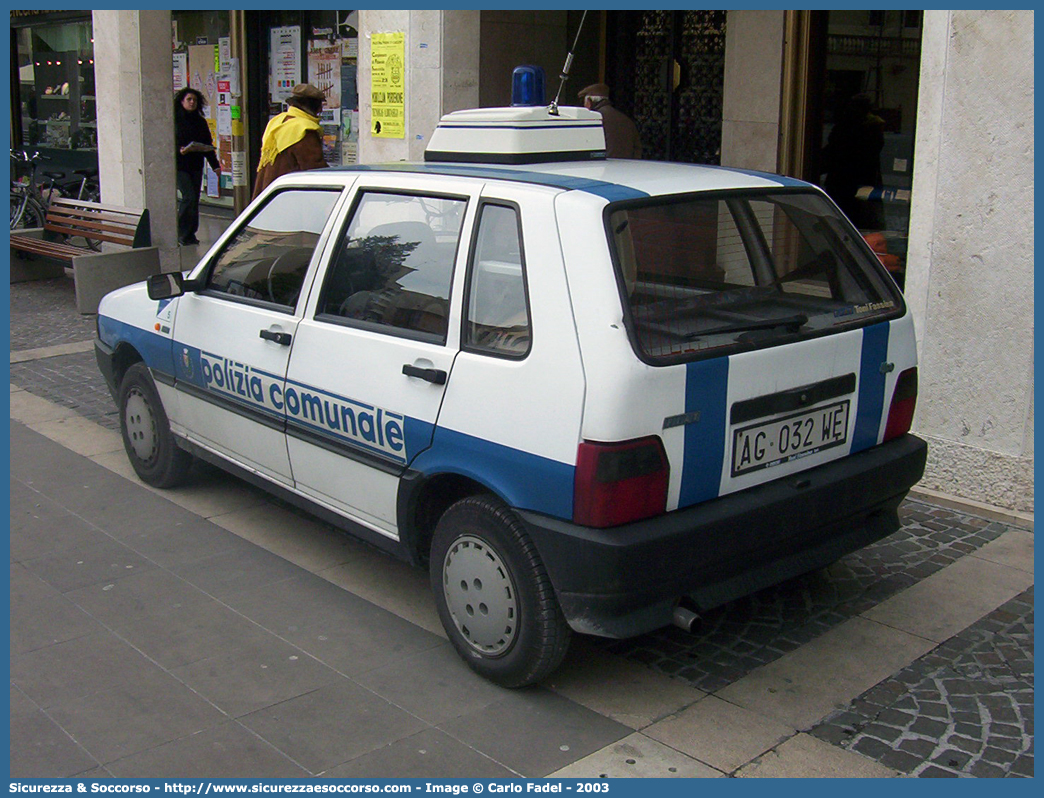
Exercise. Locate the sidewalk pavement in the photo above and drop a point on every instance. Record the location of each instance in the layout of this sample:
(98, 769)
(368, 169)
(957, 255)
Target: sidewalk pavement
(212, 631)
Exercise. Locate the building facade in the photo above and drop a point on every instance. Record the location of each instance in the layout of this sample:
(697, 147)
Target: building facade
(950, 95)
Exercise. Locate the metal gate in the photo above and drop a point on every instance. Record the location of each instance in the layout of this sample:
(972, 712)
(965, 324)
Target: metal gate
(667, 70)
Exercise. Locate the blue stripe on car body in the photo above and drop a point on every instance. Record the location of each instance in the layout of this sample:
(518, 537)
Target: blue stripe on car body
(524, 480)
(155, 349)
(610, 191)
(871, 386)
(187, 367)
(545, 126)
(706, 393)
(782, 180)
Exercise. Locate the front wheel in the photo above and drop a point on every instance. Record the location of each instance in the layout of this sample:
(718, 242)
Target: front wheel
(147, 438)
(26, 213)
(494, 598)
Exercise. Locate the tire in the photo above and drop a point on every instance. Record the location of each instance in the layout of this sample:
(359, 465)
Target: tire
(494, 597)
(147, 438)
(16, 210)
(31, 216)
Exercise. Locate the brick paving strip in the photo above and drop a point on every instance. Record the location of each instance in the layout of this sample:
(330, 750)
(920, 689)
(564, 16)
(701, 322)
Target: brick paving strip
(51, 351)
(71, 380)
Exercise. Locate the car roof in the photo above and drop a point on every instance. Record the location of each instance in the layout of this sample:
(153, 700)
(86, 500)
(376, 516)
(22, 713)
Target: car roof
(611, 178)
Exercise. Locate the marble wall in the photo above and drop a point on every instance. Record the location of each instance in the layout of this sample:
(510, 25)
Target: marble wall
(136, 149)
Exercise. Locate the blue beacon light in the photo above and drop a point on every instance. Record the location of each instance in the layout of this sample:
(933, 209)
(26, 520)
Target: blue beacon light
(527, 86)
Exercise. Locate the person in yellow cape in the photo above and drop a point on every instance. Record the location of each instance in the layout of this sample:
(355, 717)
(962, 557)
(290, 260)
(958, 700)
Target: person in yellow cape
(293, 140)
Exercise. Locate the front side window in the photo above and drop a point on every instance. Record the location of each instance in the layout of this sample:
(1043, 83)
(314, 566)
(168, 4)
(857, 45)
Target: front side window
(498, 314)
(394, 268)
(738, 272)
(266, 260)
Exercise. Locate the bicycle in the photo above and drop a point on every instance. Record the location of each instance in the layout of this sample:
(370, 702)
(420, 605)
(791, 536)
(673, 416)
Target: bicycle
(30, 199)
(89, 190)
(27, 205)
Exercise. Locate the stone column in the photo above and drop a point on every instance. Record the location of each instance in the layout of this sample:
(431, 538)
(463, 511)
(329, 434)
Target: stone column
(751, 102)
(970, 262)
(442, 71)
(132, 69)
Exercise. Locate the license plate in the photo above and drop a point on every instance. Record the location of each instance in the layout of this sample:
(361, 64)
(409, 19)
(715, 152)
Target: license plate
(775, 442)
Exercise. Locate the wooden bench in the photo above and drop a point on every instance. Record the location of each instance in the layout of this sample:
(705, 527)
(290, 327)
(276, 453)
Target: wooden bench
(95, 273)
(92, 221)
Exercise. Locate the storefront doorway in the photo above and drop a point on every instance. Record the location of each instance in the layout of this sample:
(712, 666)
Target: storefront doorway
(869, 66)
(201, 59)
(666, 70)
(285, 48)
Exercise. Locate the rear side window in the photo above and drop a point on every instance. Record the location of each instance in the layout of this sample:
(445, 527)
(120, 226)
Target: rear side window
(267, 258)
(394, 267)
(725, 274)
(498, 313)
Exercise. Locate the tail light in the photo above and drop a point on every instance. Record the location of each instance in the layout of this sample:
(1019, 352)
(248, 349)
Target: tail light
(901, 411)
(617, 483)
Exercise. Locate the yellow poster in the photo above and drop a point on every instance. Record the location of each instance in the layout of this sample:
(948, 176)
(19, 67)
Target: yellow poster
(388, 85)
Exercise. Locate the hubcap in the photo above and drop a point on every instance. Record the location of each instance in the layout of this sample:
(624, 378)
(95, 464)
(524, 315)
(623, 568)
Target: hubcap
(141, 426)
(480, 595)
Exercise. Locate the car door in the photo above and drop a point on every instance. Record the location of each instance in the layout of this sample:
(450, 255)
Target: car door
(233, 337)
(375, 350)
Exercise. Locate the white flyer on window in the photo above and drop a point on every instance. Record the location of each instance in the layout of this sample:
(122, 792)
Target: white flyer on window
(285, 65)
(180, 71)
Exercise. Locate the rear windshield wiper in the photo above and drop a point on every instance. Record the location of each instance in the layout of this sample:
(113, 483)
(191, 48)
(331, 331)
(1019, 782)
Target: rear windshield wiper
(793, 323)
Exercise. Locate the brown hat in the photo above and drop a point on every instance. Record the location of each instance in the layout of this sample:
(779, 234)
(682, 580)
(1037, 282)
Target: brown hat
(597, 89)
(306, 91)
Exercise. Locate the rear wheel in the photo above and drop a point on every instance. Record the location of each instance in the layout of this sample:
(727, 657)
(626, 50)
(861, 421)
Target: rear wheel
(494, 597)
(147, 438)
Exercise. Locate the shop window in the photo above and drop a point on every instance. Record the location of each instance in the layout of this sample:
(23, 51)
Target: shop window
(56, 92)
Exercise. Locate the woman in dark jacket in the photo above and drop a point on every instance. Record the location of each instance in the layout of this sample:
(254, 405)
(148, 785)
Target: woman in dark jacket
(191, 128)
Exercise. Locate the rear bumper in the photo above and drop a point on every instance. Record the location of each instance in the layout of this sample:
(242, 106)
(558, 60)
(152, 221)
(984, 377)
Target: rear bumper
(625, 581)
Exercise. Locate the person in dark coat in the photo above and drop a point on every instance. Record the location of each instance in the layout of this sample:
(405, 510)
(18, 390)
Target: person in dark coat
(852, 161)
(621, 134)
(192, 139)
(293, 140)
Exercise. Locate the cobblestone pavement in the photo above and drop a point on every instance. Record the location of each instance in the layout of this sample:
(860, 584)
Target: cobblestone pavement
(733, 640)
(72, 381)
(43, 313)
(965, 709)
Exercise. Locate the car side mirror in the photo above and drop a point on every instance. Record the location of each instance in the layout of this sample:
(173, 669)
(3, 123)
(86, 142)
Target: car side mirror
(169, 285)
(166, 286)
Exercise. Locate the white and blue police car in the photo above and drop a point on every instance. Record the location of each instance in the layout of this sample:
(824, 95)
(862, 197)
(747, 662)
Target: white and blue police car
(589, 395)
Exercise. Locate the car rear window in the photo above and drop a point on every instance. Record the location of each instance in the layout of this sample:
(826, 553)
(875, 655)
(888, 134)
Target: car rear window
(714, 275)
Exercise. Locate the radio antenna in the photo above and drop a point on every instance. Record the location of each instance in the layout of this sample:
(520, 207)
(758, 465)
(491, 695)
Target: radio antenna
(553, 108)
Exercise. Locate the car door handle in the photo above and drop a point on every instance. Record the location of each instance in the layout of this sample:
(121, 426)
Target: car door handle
(437, 376)
(281, 338)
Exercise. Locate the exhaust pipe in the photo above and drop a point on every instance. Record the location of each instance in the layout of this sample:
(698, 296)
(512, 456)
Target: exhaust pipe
(685, 619)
